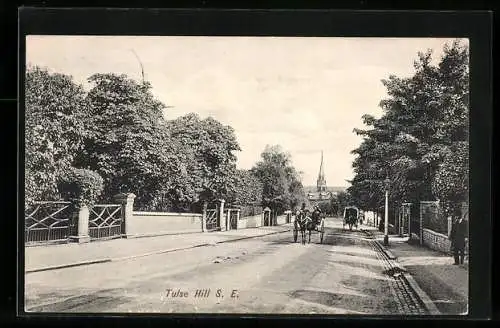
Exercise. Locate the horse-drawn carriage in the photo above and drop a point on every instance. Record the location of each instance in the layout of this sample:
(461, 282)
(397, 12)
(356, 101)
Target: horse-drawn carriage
(308, 222)
(351, 217)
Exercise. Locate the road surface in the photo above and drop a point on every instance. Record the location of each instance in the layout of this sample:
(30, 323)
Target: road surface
(270, 274)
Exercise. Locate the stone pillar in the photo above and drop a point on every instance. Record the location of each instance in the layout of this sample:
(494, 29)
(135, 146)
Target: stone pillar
(127, 202)
(228, 218)
(221, 214)
(82, 216)
(204, 216)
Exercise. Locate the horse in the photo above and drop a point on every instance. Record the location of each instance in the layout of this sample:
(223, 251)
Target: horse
(303, 221)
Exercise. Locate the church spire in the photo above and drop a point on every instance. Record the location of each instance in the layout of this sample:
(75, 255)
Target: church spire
(321, 184)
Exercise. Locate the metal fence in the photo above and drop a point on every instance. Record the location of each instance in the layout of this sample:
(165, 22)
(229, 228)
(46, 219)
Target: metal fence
(105, 221)
(47, 221)
(213, 220)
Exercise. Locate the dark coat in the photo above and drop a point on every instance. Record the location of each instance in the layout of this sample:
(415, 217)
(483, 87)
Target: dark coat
(458, 234)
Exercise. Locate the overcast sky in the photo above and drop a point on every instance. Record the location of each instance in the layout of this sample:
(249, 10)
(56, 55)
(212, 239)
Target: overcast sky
(306, 94)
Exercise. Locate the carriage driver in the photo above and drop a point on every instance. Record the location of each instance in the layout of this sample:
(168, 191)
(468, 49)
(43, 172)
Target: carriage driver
(303, 209)
(317, 209)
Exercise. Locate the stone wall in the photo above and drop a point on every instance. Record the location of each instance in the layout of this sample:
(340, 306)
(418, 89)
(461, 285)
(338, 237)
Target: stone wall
(439, 242)
(257, 221)
(250, 222)
(281, 219)
(436, 241)
(162, 223)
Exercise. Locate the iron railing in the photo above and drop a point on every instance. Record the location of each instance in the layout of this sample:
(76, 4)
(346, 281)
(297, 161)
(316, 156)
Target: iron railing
(212, 220)
(105, 221)
(47, 221)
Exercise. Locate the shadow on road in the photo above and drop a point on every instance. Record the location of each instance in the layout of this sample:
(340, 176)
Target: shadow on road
(92, 302)
(347, 301)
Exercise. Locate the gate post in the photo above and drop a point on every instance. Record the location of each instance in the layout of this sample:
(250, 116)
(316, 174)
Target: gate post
(127, 202)
(221, 213)
(228, 219)
(266, 217)
(204, 216)
(82, 217)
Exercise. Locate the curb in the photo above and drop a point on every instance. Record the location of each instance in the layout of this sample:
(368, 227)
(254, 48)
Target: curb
(106, 260)
(424, 298)
(190, 247)
(63, 266)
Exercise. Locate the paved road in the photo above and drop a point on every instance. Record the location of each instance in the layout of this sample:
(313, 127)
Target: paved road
(271, 274)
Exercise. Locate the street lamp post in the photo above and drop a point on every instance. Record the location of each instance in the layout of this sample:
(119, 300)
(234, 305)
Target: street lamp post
(387, 183)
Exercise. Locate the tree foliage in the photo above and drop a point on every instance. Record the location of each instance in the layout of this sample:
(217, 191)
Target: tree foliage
(210, 147)
(425, 119)
(450, 182)
(55, 108)
(126, 143)
(90, 146)
(246, 189)
(282, 187)
(81, 186)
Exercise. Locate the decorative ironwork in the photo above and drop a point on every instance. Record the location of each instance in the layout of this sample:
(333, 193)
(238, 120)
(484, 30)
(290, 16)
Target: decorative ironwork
(47, 221)
(213, 222)
(105, 221)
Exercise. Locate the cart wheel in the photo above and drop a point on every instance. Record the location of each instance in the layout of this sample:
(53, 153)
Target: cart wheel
(295, 234)
(322, 231)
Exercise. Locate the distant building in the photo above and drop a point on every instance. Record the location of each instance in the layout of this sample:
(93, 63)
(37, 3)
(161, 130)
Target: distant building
(321, 193)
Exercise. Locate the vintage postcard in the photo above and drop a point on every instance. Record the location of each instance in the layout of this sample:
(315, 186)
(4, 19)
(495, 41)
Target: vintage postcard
(247, 175)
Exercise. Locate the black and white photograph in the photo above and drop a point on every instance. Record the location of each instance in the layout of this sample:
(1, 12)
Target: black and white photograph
(246, 175)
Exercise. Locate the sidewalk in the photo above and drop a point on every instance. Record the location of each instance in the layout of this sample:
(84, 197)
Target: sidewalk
(40, 258)
(444, 283)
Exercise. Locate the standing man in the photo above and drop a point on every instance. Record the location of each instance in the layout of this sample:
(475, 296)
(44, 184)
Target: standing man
(457, 236)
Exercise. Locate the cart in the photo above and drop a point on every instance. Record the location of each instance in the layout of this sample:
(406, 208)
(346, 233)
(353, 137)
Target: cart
(351, 217)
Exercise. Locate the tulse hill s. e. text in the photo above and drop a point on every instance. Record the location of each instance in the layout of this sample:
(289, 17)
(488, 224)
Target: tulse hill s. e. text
(198, 293)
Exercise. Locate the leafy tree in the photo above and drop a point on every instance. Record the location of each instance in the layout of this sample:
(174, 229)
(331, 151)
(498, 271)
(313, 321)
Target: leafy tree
(127, 143)
(282, 188)
(424, 116)
(246, 189)
(210, 147)
(55, 113)
(450, 183)
(81, 186)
